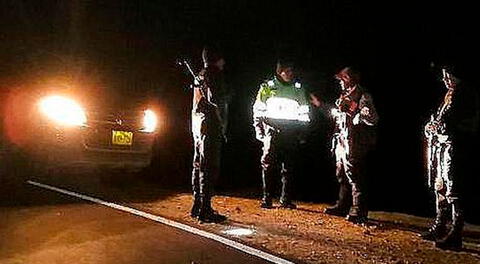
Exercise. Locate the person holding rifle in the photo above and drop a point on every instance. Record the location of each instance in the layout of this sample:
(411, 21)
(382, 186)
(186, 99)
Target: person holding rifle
(208, 128)
(449, 132)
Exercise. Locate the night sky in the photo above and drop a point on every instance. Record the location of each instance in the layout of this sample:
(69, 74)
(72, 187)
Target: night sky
(132, 45)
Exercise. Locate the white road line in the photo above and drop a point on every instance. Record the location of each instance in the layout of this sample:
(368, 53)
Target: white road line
(187, 228)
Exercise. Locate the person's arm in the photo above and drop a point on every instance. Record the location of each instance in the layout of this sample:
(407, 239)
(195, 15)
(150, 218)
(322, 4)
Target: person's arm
(316, 100)
(367, 113)
(202, 93)
(259, 112)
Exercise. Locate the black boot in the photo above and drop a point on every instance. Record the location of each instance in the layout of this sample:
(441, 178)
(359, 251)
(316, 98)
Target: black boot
(344, 200)
(288, 205)
(266, 203)
(358, 212)
(453, 240)
(212, 217)
(195, 212)
(357, 219)
(207, 214)
(336, 211)
(438, 229)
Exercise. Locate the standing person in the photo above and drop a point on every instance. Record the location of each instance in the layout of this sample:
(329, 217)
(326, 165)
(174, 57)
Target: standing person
(280, 110)
(448, 134)
(355, 118)
(208, 117)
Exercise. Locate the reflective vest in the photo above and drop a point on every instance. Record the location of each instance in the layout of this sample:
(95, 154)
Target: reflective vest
(280, 100)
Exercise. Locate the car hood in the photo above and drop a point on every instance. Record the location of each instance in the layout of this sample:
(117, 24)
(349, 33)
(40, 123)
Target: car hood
(114, 100)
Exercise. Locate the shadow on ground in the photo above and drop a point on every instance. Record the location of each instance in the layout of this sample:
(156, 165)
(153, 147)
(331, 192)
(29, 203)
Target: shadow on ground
(471, 234)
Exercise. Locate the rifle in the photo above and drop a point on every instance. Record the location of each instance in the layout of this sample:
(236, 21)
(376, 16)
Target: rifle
(436, 127)
(199, 83)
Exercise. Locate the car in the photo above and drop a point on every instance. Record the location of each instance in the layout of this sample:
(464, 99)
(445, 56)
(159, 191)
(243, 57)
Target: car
(58, 126)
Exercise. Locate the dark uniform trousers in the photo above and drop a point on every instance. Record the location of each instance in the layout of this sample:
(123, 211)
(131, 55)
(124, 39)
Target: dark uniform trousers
(206, 165)
(279, 152)
(447, 198)
(351, 179)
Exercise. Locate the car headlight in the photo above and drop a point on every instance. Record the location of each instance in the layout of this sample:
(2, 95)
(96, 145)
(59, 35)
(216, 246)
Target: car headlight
(63, 110)
(149, 121)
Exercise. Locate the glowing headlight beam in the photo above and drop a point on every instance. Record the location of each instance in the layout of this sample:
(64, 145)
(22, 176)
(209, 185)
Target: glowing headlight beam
(63, 110)
(149, 121)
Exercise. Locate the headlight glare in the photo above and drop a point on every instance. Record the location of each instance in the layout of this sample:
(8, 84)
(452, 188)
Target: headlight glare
(149, 121)
(63, 110)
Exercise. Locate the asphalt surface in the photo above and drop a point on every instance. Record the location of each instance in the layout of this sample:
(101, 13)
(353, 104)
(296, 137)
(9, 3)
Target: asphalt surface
(41, 226)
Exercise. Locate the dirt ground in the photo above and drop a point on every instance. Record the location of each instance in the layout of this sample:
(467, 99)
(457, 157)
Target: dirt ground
(307, 235)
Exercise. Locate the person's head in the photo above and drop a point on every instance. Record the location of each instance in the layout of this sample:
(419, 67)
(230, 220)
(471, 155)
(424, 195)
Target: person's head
(213, 58)
(448, 78)
(348, 78)
(285, 71)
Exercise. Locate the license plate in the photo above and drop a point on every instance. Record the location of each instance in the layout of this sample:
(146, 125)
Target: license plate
(122, 138)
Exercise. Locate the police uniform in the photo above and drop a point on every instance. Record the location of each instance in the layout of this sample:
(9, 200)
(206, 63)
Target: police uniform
(280, 140)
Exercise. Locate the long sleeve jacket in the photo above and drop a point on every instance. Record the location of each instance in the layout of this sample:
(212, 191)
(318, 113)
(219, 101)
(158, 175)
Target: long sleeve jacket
(210, 101)
(352, 125)
(275, 88)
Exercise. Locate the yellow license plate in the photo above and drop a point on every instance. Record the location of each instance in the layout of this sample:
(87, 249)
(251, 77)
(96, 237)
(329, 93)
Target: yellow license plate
(122, 138)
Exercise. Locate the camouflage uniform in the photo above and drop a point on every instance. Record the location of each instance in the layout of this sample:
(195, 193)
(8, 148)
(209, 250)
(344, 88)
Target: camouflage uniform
(453, 124)
(353, 136)
(209, 117)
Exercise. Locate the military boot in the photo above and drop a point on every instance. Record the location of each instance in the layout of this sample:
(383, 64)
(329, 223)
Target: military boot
(453, 240)
(343, 204)
(195, 212)
(207, 214)
(266, 203)
(357, 216)
(358, 212)
(336, 211)
(438, 229)
(287, 204)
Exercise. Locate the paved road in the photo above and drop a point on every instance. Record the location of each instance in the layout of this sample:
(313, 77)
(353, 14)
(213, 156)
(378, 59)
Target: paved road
(40, 226)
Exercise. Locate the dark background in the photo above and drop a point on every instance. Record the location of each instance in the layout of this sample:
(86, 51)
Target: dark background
(132, 45)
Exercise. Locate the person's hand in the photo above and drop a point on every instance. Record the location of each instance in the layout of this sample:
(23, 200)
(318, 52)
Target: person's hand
(431, 127)
(259, 129)
(365, 111)
(356, 119)
(315, 100)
